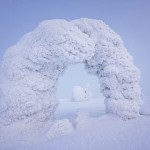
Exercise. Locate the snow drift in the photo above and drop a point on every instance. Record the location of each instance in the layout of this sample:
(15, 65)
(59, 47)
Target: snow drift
(30, 69)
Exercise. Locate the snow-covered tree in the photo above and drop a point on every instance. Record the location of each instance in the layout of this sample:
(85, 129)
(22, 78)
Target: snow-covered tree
(82, 93)
(30, 69)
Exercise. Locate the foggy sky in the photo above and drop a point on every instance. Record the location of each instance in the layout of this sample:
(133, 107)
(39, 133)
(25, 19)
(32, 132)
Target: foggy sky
(129, 18)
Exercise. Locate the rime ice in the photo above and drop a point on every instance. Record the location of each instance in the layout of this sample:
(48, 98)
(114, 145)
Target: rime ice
(82, 93)
(30, 69)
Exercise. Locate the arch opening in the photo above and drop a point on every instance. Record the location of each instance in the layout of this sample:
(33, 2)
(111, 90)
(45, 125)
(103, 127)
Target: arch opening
(70, 93)
(30, 69)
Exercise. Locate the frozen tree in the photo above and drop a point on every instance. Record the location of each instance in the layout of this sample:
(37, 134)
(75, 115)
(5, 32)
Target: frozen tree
(113, 65)
(81, 93)
(30, 69)
(88, 92)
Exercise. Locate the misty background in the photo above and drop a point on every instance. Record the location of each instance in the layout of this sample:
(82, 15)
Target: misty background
(130, 19)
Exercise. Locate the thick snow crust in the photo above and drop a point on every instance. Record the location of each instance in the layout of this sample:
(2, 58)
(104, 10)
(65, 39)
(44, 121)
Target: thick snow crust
(31, 68)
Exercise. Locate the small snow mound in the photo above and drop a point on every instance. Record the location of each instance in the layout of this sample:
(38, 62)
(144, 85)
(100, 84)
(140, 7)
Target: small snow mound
(59, 128)
(83, 119)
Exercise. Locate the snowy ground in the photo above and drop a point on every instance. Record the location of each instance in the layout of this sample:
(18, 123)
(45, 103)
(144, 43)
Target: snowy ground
(105, 133)
(92, 130)
(68, 108)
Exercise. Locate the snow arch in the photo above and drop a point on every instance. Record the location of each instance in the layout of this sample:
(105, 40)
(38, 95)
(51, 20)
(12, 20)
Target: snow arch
(31, 68)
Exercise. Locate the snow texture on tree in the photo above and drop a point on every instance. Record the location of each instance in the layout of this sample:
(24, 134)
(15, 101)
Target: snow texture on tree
(30, 69)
